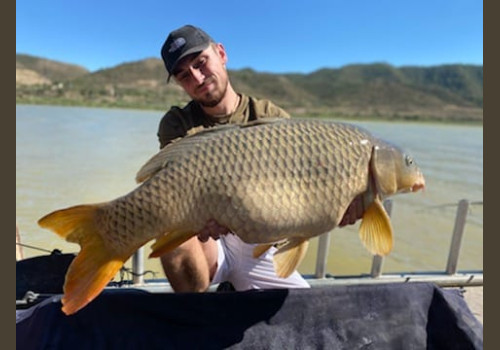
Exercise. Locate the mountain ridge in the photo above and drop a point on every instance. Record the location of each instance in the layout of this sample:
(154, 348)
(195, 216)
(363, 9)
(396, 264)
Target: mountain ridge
(451, 92)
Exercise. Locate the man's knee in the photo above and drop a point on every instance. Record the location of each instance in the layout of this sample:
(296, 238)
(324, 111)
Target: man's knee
(187, 267)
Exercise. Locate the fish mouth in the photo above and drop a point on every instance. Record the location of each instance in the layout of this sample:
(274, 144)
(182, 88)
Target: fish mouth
(417, 186)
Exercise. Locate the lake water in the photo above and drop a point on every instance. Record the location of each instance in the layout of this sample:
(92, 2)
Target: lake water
(69, 155)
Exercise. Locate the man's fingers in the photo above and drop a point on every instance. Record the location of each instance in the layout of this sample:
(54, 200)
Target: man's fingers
(212, 229)
(204, 235)
(353, 212)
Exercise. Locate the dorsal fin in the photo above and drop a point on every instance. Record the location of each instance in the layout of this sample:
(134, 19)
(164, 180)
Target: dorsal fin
(177, 148)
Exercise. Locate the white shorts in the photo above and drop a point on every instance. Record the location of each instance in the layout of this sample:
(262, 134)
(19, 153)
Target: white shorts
(236, 264)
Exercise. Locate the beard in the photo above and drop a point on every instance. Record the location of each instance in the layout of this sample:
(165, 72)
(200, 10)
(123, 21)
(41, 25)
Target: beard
(212, 99)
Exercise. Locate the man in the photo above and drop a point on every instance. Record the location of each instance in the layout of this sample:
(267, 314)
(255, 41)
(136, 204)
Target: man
(198, 65)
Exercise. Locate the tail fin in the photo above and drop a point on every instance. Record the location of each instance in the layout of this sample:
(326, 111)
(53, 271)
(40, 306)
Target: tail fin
(95, 265)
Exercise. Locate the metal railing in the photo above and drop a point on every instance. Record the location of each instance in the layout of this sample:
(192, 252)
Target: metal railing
(448, 277)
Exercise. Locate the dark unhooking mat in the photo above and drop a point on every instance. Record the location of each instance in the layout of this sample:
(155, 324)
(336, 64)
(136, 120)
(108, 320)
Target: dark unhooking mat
(387, 316)
(42, 274)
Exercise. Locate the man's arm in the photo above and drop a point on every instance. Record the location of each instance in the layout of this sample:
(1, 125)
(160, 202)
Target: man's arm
(191, 266)
(170, 128)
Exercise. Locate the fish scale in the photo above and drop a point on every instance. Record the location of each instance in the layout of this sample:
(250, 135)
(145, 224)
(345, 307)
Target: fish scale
(289, 160)
(270, 181)
(294, 166)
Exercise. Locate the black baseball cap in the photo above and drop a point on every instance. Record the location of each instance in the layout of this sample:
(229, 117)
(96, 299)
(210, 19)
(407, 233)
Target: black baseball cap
(182, 42)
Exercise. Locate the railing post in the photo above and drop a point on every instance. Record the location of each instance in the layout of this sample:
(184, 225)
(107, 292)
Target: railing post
(456, 239)
(378, 261)
(138, 266)
(322, 254)
(19, 247)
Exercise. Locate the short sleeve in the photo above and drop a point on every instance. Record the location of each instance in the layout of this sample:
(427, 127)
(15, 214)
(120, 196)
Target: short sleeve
(171, 127)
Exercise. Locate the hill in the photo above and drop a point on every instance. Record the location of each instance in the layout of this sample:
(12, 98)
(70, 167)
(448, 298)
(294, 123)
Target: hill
(379, 90)
(45, 71)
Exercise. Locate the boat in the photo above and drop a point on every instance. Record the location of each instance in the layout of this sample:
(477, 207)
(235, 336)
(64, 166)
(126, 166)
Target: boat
(422, 310)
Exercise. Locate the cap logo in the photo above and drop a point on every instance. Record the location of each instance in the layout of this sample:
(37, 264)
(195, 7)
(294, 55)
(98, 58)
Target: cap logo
(177, 44)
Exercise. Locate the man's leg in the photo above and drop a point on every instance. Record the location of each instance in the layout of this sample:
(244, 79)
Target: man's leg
(191, 266)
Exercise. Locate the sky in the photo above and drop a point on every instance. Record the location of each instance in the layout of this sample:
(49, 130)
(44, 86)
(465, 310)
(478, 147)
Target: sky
(289, 36)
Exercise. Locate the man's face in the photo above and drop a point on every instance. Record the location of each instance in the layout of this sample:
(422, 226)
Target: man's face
(204, 76)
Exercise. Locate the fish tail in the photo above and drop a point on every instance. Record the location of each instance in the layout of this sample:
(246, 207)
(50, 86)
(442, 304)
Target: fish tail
(94, 266)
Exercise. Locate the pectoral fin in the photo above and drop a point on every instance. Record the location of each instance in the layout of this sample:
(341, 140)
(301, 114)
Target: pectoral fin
(288, 257)
(169, 242)
(375, 230)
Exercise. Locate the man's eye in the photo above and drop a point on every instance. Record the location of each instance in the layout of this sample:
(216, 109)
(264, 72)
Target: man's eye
(183, 76)
(200, 64)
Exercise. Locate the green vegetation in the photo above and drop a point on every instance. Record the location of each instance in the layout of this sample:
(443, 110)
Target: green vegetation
(371, 91)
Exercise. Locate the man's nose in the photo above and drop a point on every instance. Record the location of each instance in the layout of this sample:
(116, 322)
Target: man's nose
(197, 75)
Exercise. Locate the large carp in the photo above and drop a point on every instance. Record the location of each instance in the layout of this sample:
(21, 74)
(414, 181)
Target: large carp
(279, 181)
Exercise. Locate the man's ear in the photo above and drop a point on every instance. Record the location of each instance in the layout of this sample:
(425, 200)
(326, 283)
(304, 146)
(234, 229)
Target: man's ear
(221, 52)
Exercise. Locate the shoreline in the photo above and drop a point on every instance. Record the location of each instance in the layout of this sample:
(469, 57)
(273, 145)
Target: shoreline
(311, 114)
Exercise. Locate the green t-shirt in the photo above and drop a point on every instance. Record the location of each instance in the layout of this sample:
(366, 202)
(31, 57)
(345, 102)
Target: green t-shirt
(179, 122)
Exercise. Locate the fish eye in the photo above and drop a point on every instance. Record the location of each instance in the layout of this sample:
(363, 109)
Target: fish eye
(409, 161)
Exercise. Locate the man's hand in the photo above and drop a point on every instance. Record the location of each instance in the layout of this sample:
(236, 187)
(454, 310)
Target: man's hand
(212, 229)
(354, 212)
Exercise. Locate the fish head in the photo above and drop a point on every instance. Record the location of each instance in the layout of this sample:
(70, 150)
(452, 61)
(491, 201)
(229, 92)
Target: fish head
(394, 170)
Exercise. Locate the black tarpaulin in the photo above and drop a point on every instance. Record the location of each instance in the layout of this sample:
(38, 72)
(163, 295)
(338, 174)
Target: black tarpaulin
(382, 316)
